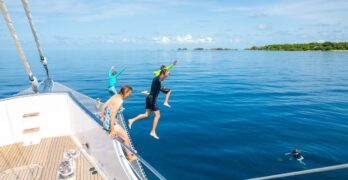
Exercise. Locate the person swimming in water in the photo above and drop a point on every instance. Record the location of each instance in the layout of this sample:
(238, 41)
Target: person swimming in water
(110, 122)
(296, 155)
(151, 103)
(164, 89)
(113, 75)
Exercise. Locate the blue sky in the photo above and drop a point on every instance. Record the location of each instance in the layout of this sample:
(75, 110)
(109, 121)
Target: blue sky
(157, 24)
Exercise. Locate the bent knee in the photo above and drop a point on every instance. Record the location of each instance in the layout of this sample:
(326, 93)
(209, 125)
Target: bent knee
(146, 115)
(157, 115)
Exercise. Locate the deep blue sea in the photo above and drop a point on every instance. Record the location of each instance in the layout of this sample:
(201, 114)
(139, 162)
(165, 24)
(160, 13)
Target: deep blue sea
(234, 114)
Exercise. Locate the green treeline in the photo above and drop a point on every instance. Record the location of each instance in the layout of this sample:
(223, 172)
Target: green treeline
(215, 49)
(326, 46)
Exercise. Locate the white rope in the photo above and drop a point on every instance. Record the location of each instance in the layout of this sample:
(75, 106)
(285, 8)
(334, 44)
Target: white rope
(6, 16)
(14, 36)
(33, 30)
(316, 170)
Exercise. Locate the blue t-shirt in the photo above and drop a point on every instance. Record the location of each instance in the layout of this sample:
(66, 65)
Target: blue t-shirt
(113, 78)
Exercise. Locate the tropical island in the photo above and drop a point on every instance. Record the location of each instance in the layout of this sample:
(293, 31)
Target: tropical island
(212, 49)
(314, 46)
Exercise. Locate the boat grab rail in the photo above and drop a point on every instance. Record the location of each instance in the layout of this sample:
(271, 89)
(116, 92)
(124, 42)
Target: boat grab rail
(309, 171)
(145, 163)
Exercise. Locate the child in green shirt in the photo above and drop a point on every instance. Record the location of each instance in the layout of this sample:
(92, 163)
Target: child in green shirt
(163, 88)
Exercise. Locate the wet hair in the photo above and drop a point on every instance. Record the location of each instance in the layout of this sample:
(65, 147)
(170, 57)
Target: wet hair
(296, 154)
(125, 89)
(163, 67)
(163, 72)
(114, 72)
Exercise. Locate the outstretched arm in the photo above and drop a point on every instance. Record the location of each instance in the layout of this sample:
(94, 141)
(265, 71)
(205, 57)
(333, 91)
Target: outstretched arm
(157, 73)
(120, 72)
(172, 65)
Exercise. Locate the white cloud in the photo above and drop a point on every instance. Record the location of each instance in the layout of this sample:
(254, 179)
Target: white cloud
(162, 40)
(112, 11)
(130, 40)
(125, 40)
(232, 9)
(185, 39)
(320, 11)
(263, 27)
(205, 40)
(84, 11)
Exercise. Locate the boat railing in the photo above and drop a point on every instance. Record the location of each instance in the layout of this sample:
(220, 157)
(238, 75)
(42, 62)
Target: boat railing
(297, 173)
(137, 167)
(145, 163)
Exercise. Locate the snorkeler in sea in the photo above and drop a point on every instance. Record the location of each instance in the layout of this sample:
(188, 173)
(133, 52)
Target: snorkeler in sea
(163, 89)
(113, 75)
(296, 155)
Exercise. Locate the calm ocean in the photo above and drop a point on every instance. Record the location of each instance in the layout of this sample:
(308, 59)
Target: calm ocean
(234, 114)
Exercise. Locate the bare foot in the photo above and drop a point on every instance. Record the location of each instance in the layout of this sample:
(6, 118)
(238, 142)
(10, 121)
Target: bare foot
(131, 158)
(145, 93)
(153, 134)
(130, 122)
(166, 104)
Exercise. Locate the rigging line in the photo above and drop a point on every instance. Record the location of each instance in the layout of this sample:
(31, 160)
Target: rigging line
(33, 30)
(32, 78)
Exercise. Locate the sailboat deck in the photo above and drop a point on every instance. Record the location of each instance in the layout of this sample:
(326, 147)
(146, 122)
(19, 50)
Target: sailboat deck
(41, 161)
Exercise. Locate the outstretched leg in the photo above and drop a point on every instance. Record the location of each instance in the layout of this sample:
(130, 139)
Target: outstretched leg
(140, 116)
(154, 125)
(121, 133)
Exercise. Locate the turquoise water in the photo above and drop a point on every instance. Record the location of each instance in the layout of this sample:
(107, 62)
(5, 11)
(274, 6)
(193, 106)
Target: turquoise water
(234, 113)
